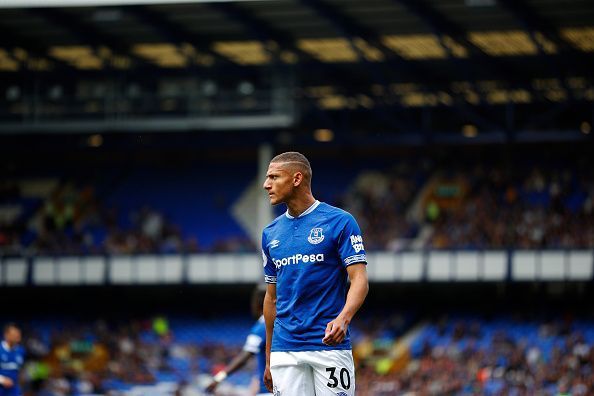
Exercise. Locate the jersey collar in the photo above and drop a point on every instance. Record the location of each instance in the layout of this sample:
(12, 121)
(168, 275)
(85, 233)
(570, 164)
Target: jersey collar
(307, 211)
(6, 346)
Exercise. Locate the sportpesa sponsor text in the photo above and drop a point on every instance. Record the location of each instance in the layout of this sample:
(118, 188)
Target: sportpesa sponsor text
(297, 258)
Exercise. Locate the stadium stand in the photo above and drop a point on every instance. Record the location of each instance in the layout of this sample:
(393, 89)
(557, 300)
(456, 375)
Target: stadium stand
(500, 355)
(467, 354)
(410, 203)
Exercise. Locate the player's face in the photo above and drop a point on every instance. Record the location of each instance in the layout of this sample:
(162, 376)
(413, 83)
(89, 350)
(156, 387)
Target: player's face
(278, 183)
(12, 336)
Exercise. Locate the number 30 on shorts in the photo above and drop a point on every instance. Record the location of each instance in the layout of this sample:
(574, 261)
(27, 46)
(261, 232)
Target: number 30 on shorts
(337, 375)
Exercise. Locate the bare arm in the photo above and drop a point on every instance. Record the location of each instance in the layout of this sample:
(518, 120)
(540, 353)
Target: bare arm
(6, 382)
(238, 362)
(269, 317)
(336, 329)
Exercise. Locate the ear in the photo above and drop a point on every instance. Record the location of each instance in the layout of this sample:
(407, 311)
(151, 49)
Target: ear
(297, 179)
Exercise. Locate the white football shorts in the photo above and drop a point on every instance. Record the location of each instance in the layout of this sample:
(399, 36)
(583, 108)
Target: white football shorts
(313, 373)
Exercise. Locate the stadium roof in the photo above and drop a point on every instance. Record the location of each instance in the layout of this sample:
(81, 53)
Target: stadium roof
(346, 53)
(482, 34)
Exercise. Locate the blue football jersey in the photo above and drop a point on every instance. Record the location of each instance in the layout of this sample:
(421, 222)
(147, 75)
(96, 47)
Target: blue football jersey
(11, 361)
(256, 344)
(306, 257)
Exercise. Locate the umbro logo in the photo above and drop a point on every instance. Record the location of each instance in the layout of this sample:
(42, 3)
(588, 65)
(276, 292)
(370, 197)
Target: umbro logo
(274, 244)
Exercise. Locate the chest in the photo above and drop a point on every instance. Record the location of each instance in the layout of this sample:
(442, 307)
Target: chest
(305, 237)
(10, 359)
(303, 245)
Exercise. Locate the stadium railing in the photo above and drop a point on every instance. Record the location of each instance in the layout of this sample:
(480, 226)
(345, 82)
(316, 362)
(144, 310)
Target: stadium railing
(406, 266)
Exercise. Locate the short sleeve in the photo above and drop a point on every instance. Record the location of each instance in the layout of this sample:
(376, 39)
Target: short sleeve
(253, 344)
(350, 243)
(269, 267)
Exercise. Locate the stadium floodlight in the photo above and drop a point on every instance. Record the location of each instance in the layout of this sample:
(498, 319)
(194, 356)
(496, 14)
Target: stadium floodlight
(89, 3)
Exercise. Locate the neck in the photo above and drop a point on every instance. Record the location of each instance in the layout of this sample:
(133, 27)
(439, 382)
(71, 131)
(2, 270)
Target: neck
(300, 205)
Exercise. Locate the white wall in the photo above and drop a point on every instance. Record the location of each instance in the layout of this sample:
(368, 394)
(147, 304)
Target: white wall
(413, 266)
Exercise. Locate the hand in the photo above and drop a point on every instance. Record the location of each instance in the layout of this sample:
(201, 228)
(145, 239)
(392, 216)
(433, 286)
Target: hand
(268, 378)
(6, 382)
(335, 331)
(212, 386)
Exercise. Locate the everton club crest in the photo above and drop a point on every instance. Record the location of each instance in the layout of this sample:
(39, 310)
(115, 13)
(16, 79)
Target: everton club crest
(315, 236)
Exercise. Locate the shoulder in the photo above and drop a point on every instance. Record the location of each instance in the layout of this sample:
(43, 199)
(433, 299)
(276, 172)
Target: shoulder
(335, 214)
(273, 224)
(258, 322)
(258, 326)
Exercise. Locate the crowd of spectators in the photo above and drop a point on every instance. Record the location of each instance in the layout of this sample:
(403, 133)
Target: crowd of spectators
(380, 202)
(10, 232)
(461, 358)
(73, 221)
(109, 358)
(537, 209)
(414, 204)
(475, 207)
(469, 363)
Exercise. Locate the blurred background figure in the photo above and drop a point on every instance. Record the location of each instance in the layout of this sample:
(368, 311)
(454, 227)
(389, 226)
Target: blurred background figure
(254, 346)
(12, 358)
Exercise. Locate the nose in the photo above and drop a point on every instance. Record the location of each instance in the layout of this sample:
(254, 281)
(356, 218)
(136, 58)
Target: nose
(266, 185)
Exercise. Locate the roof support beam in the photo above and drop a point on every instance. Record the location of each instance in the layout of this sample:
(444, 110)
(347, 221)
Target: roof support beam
(91, 36)
(377, 73)
(12, 40)
(263, 32)
(174, 33)
(259, 30)
(350, 29)
(442, 26)
(535, 24)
